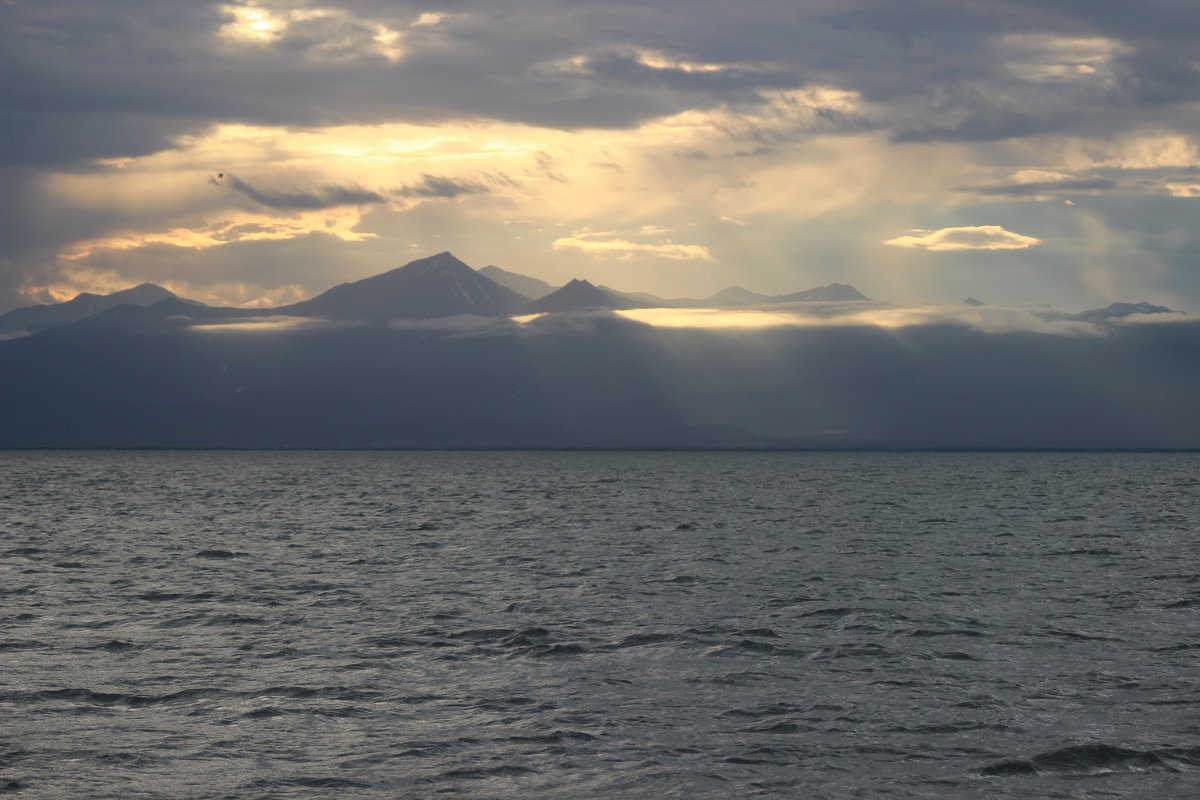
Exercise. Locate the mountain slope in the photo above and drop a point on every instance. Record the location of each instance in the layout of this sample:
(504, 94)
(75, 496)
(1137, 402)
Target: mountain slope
(33, 318)
(428, 288)
(533, 288)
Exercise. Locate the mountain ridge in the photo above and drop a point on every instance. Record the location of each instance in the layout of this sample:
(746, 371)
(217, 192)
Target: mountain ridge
(81, 306)
(533, 288)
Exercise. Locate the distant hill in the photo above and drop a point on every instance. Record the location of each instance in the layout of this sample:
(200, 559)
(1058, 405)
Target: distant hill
(533, 288)
(437, 286)
(34, 318)
(737, 296)
(971, 301)
(833, 293)
(579, 295)
(651, 300)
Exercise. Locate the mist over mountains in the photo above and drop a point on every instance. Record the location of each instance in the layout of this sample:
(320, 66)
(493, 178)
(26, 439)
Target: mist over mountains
(437, 354)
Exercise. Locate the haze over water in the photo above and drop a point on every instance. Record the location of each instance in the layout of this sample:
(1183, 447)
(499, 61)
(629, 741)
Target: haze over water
(599, 624)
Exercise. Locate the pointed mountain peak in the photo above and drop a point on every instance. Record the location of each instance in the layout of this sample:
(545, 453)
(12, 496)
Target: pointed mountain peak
(971, 301)
(436, 286)
(442, 261)
(581, 295)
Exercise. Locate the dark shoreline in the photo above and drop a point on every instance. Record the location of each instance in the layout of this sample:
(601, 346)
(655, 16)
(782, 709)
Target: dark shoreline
(593, 449)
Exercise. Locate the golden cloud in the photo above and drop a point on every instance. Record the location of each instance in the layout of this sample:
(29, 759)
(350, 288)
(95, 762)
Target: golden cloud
(1043, 58)
(626, 249)
(253, 24)
(338, 222)
(972, 237)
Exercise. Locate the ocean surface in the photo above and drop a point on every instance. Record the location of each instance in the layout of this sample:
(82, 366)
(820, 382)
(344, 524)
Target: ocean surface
(599, 625)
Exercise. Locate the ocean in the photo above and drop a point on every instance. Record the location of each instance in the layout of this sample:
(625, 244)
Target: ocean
(599, 625)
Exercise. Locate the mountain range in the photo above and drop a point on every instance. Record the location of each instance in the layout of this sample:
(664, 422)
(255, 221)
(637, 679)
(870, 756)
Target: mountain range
(440, 286)
(430, 355)
(428, 288)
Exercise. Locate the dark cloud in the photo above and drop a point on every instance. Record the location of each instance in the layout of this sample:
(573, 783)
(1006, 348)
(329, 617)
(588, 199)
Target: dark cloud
(627, 68)
(62, 137)
(984, 125)
(299, 200)
(705, 155)
(439, 186)
(120, 78)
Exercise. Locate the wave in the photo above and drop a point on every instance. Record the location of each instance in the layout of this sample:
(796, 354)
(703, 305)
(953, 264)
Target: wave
(1098, 758)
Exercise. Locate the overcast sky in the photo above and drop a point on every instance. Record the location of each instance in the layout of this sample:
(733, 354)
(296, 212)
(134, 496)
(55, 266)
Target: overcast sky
(254, 153)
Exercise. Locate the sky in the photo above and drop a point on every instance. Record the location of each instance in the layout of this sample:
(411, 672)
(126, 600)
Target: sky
(255, 153)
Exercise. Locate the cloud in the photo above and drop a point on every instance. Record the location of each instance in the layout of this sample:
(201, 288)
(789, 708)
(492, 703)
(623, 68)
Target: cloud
(272, 324)
(440, 186)
(201, 237)
(977, 237)
(639, 67)
(807, 120)
(1183, 187)
(626, 249)
(989, 319)
(1046, 58)
(319, 197)
(321, 33)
